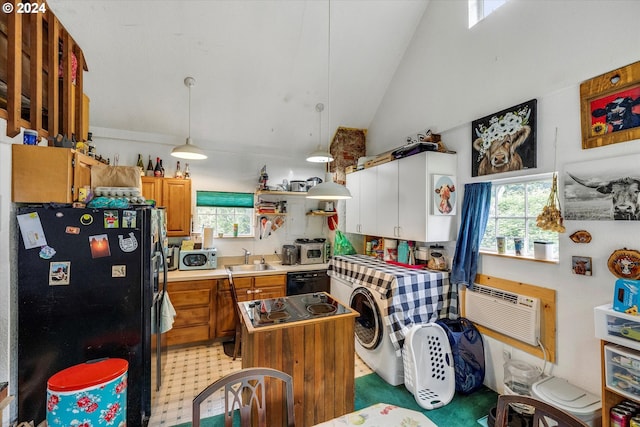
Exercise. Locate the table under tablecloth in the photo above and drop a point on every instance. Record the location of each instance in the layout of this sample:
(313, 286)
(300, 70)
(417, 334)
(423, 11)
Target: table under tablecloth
(410, 296)
(381, 414)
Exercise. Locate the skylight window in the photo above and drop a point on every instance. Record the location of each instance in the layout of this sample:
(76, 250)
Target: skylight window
(480, 9)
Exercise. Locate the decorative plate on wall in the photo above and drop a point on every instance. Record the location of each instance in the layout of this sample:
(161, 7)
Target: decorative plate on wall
(625, 263)
(581, 236)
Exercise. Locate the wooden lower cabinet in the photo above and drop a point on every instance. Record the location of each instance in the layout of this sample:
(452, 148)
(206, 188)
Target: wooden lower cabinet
(193, 302)
(247, 288)
(317, 353)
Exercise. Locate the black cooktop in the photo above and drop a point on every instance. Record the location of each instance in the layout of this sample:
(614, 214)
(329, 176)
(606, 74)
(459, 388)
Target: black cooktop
(293, 308)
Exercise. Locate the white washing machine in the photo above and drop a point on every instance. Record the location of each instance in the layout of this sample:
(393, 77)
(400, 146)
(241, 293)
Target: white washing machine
(373, 343)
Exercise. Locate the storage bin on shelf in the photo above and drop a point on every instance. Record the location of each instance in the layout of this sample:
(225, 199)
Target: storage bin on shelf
(622, 372)
(617, 327)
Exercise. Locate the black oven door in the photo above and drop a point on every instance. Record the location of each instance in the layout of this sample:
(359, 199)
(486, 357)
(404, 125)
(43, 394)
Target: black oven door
(307, 282)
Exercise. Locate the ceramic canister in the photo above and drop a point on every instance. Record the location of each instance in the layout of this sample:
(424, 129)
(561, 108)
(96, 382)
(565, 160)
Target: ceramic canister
(93, 393)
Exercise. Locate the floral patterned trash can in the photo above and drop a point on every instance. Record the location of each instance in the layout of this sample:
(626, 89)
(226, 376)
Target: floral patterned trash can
(90, 394)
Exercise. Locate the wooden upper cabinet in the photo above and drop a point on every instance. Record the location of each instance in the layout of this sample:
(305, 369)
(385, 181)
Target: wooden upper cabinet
(41, 76)
(174, 195)
(48, 174)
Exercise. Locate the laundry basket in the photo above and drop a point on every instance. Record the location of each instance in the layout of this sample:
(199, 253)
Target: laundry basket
(429, 373)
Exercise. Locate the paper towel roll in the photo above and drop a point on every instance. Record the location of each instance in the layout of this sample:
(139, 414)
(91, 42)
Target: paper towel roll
(207, 241)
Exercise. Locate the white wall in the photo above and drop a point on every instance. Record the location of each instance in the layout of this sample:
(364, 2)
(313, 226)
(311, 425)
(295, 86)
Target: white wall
(226, 171)
(451, 75)
(8, 313)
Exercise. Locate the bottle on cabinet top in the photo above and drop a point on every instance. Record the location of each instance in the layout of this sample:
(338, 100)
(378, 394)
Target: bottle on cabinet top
(178, 170)
(140, 165)
(150, 167)
(157, 171)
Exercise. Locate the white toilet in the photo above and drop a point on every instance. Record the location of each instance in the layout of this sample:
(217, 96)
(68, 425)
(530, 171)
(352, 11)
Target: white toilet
(561, 394)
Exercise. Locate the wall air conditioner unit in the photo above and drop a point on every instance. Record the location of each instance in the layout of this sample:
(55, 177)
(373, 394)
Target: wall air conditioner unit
(514, 315)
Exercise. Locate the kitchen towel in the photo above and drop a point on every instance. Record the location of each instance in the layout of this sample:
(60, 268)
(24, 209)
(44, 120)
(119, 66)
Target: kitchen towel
(167, 316)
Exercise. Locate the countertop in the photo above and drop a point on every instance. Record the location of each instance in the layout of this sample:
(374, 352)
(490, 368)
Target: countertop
(221, 272)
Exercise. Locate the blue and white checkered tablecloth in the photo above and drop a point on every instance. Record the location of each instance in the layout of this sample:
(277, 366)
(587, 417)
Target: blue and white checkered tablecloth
(412, 296)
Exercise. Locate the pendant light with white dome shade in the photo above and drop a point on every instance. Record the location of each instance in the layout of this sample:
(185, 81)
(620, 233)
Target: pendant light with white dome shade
(328, 190)
(189, 150)
(320, 155)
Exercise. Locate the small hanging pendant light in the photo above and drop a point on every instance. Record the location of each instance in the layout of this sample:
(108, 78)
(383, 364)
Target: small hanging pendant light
(189, 150)
(320, 156)
(328, 190)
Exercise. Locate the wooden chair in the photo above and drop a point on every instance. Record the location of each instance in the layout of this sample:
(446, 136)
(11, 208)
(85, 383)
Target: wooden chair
(245, 392)
(544, 415)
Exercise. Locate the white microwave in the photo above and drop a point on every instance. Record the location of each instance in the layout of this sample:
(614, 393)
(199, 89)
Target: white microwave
(198, 259)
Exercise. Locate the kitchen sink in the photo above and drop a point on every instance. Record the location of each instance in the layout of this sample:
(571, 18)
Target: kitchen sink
(249, 267)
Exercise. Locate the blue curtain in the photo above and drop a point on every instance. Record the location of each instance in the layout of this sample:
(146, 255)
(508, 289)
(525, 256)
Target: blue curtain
(475, 213)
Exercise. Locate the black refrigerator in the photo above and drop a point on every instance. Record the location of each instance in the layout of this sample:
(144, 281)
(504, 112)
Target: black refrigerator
(88, 282)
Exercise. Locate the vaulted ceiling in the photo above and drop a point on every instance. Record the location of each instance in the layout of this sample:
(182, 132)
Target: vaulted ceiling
(260, 66)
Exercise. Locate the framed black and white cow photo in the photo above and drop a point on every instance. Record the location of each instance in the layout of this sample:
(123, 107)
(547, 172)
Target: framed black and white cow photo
(504, 141)
(605, 189)
(610, 107)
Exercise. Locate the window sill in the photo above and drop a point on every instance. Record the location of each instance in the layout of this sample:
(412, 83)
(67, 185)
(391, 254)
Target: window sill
(520, 257)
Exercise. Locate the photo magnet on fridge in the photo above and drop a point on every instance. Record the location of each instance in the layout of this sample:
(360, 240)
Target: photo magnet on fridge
(128, 219)
(111, 219)
(59, 272)
(99, 246)
(118, 271)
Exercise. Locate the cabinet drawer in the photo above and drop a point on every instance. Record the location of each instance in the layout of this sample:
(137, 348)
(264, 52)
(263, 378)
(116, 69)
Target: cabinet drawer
(261, 281)
(190, 298)
(188, 335)
(191, 316)
(239, 282)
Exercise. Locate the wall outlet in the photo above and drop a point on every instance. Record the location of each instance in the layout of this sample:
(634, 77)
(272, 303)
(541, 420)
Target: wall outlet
(506, 353)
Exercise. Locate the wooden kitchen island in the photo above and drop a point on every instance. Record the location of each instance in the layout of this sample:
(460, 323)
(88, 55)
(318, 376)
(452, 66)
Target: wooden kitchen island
(315, 348)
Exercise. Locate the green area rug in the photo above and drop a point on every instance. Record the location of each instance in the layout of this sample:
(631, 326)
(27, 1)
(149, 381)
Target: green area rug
(462, 411)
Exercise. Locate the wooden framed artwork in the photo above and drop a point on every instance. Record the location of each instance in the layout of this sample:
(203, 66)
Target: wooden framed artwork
(504, 141)
(581, 265)
(610, 107)
(444, 195)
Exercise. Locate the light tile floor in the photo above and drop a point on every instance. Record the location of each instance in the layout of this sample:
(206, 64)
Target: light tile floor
(188, 371)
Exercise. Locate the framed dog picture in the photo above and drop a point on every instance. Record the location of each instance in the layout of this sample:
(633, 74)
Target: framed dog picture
(610, 107)
(504, 141)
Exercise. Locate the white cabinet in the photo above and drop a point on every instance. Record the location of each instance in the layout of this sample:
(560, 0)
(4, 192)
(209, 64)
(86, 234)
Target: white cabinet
(361, 208)
(396, 199)
(387, 191)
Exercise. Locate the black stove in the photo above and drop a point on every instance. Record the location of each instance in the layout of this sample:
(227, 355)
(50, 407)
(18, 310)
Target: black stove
(293, 308)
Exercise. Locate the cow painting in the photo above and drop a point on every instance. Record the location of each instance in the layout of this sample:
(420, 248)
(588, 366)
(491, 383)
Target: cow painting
(505, 141)
(619, 114)
(624, 193)
(444, 192)
(444, 195)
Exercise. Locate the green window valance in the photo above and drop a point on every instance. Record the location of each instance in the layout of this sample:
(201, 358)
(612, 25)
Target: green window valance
(224, 199)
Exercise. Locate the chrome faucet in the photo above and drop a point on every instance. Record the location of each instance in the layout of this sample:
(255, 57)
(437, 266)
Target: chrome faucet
(246, 255)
